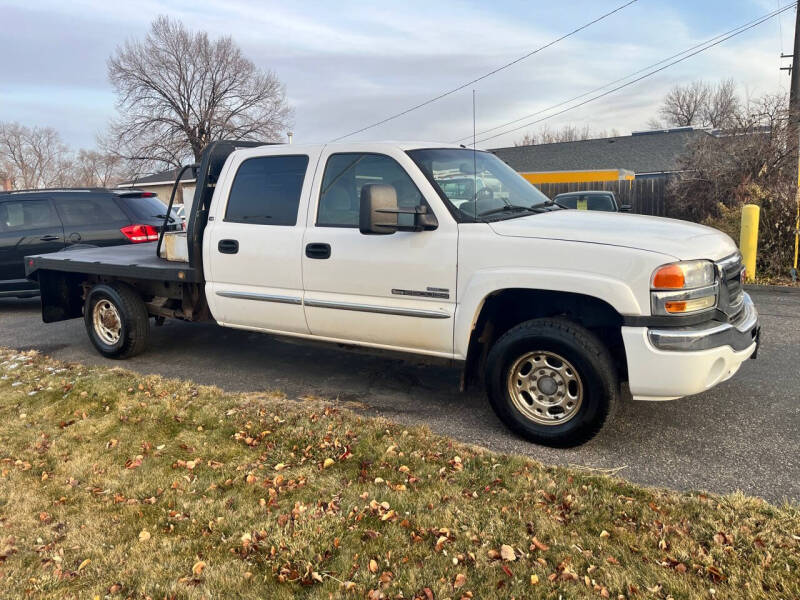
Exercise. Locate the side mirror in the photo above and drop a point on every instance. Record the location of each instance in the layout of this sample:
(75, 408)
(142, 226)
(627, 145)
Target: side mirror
(625, 208)
(378, 212)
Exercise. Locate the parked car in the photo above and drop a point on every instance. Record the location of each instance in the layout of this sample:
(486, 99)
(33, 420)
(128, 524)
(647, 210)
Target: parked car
(360, 244)
(591, 200)
(39, 221)
(180, 212)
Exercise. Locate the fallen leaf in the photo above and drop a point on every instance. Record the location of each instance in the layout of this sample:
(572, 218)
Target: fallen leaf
(144, 535)
(328, 463)
(84, 564)
(604, 534)
(507, 553)
(373, 566)
(534, 579)
(460, 580)
(198, 567)
(280, 467)
(134, 462)
(539, 545)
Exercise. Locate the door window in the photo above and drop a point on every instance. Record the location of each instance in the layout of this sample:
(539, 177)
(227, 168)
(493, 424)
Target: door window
(345, 175)
(27, 214)
(266, 190)
(84, 211)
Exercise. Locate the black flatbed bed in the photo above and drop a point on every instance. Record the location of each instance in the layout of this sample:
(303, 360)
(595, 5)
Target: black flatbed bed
(134, 261)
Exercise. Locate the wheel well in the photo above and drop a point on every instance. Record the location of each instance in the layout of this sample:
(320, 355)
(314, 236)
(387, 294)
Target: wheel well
(504, 309)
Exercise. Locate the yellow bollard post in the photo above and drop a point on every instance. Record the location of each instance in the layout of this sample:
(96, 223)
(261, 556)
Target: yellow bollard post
(748, 241)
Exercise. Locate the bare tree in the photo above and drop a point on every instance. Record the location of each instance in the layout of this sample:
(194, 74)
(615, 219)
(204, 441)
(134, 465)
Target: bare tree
(94, 168)
(684, 104)
(722, 106)
(178, 90)
(751, 161)
(33, 157)
(568, 133)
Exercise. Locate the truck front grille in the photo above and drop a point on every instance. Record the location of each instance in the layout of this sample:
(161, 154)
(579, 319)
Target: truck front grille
(731, 294)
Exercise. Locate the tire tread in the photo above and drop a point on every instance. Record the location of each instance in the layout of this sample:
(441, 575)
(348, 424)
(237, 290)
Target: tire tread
(590, 344)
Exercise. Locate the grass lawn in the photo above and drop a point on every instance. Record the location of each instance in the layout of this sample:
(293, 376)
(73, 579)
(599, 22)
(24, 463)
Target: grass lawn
(117, 485)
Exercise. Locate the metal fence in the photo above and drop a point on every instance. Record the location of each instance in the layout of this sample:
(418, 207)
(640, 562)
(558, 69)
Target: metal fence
(646, 196)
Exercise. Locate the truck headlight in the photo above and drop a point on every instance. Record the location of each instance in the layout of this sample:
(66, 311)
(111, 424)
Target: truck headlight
(684, 288)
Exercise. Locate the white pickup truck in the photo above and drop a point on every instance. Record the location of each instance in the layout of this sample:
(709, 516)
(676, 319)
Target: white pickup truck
(433, 250)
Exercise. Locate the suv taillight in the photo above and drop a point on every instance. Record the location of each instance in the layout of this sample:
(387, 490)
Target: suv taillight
(137, 234)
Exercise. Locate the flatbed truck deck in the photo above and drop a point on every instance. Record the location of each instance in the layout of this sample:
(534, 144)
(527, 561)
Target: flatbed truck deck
(135, 261)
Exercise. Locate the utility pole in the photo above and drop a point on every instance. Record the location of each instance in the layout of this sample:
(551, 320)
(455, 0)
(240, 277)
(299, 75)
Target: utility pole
(794, 124)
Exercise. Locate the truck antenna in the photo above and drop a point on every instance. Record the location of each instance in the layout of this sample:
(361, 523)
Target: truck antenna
(474, 156)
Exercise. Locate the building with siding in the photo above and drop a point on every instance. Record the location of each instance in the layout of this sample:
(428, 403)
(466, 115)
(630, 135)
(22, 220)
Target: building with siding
(646, 153)
(636, 167)
(161, 185)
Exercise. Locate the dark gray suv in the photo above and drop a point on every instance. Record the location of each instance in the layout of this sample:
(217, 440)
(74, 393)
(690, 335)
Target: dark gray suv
(41, 221)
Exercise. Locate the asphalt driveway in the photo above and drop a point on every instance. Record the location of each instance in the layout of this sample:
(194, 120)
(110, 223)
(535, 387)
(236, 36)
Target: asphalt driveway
(742, 435)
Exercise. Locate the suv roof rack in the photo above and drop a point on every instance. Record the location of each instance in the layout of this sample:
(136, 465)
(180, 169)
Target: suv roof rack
(57, 189)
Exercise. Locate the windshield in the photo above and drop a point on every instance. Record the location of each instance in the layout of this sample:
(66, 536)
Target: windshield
(478, 184)
(604, 202)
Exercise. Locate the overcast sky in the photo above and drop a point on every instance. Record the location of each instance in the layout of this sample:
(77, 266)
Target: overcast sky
(346, 64)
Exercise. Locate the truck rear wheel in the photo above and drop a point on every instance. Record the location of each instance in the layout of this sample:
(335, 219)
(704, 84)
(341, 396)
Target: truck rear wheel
(116, 320)
(551, 381)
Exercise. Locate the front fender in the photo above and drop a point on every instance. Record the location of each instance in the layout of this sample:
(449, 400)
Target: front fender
(486, 282)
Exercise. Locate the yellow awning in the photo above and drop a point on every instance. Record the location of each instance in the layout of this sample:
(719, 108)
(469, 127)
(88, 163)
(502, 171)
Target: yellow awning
(579, 176)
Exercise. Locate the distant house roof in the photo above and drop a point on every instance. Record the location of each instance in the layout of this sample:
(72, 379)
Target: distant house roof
(162, 178)
(641, 152)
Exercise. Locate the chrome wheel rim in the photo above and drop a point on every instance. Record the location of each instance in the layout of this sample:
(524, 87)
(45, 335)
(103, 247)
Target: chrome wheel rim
(545, 388)
(107, 322)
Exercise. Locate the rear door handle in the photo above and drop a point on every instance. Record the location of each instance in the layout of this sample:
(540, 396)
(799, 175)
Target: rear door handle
(318, 250)
(228, 246)
(49, 238)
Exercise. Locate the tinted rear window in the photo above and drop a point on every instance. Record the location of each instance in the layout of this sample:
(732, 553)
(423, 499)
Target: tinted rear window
(266, 190)
(144, 208)
(89, 210)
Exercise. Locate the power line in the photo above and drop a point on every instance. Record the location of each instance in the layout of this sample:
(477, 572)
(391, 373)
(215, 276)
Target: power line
(628, 76)
(489, 74)
(726, 36)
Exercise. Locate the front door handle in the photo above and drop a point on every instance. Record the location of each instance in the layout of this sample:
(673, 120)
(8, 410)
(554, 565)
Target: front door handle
(318, 250)
(49, 238)
(228, 246)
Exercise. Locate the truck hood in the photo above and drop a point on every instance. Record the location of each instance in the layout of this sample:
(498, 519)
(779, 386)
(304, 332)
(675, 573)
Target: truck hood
(680, 239)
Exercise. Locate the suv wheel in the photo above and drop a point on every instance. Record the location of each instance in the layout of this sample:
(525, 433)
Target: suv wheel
(552, 382)
(116, 320)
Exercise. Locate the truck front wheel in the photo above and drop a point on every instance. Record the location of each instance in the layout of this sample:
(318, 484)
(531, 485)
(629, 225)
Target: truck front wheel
(552, 382)
(116, 320)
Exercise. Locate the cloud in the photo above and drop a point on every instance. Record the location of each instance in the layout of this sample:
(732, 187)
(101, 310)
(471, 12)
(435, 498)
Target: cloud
(348, 64)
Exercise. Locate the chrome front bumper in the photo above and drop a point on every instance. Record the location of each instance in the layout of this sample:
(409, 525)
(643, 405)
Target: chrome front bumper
(738, 334)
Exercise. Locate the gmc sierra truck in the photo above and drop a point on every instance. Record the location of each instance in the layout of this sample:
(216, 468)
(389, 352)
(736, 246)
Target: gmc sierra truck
(434, 250)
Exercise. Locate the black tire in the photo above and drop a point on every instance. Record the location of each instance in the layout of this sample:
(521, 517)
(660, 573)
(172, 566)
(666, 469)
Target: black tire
(134, 329)
(580, 347)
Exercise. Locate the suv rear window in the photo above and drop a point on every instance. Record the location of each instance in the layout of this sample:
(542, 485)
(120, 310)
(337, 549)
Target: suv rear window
(89, 210)
(144, 208)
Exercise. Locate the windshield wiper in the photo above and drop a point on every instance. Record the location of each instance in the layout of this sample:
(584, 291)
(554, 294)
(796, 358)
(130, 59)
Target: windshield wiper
(171, 218)
(511, 207)
(555, 203)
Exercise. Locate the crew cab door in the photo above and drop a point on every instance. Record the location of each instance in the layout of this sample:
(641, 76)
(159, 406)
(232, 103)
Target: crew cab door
(253, 241)
(395, 291)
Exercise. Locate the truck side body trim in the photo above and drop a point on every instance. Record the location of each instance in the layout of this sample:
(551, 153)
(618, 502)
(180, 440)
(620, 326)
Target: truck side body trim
(385, 310)
(261, 297)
